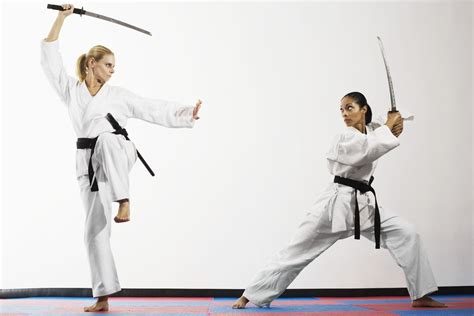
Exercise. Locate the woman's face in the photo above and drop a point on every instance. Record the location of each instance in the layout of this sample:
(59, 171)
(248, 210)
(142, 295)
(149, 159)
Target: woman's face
(102, 69)
(352, 113)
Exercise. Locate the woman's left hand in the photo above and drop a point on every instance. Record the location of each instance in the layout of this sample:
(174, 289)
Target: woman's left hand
(196, 110)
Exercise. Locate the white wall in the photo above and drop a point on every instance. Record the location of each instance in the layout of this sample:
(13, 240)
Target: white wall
(231, 192)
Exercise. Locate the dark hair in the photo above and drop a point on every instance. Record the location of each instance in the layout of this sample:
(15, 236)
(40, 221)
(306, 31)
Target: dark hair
(360, 99)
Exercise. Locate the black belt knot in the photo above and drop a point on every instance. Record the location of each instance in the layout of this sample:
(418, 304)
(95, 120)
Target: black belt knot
(363, 188)
(89, 143)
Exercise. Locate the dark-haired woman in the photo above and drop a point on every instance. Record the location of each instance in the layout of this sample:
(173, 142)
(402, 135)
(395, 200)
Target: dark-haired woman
(349, 207)
(103, 158)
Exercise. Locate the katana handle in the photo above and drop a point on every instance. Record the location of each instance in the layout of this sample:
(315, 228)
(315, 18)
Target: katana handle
(60, 8)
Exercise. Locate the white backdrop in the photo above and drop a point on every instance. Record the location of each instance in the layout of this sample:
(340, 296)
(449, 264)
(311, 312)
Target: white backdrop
(230, 192)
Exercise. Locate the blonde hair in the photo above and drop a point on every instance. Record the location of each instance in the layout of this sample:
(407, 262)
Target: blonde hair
(97, 52)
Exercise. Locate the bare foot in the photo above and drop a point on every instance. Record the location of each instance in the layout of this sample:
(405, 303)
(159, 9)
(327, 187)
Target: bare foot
(100, 306)
(427, 301)
(123, 214)
(240, 303)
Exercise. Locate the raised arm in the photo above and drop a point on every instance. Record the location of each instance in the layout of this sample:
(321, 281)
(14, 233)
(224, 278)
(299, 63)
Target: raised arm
(51, 60)
(58, 23)
(357, 149)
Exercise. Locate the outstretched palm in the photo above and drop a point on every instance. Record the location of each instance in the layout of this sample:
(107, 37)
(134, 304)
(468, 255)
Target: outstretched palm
(196, 110)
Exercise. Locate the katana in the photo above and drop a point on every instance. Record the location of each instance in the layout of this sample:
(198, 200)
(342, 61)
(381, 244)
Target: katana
(393, 107)
(81, 11)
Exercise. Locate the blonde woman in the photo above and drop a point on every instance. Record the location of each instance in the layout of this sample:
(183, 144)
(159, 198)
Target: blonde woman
(104, 155)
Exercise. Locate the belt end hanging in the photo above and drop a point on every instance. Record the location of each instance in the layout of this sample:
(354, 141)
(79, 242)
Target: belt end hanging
(377, 244)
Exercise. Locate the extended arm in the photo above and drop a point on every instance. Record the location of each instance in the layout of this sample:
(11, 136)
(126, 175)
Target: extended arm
(161, 112)
(51, 59)
(58, 23)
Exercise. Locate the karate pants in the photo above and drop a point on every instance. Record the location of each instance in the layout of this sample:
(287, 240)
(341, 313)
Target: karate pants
(397, 235)
(112, 161)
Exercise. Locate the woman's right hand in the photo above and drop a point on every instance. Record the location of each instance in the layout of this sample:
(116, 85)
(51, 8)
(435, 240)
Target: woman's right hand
(68, 10)
(393, 118)
(58, 23)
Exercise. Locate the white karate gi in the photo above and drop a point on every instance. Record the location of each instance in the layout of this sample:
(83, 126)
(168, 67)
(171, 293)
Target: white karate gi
(353, 155)
(113, 158)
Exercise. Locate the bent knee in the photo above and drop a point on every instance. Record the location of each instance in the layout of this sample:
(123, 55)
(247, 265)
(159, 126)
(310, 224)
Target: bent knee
(107, 142)
(410, 233)
(106, 139)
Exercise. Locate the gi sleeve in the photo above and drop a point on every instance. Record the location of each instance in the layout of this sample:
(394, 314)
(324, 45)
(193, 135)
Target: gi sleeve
(52, 64)
(357, 149)
(156, 111)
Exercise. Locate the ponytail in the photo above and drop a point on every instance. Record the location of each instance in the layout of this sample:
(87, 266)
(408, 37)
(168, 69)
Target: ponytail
(81, 67)
(97, 52)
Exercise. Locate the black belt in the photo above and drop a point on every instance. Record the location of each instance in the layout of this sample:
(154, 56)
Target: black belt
(89, 143)
(362, 187)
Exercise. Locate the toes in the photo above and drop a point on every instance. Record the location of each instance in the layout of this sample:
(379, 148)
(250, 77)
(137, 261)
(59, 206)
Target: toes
(96, 309)
(429, 303)
(121, 219)
(238, 305)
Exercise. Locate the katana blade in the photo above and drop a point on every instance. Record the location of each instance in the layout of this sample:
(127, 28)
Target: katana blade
(106, 18)
(99, 16)
(393, 107)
